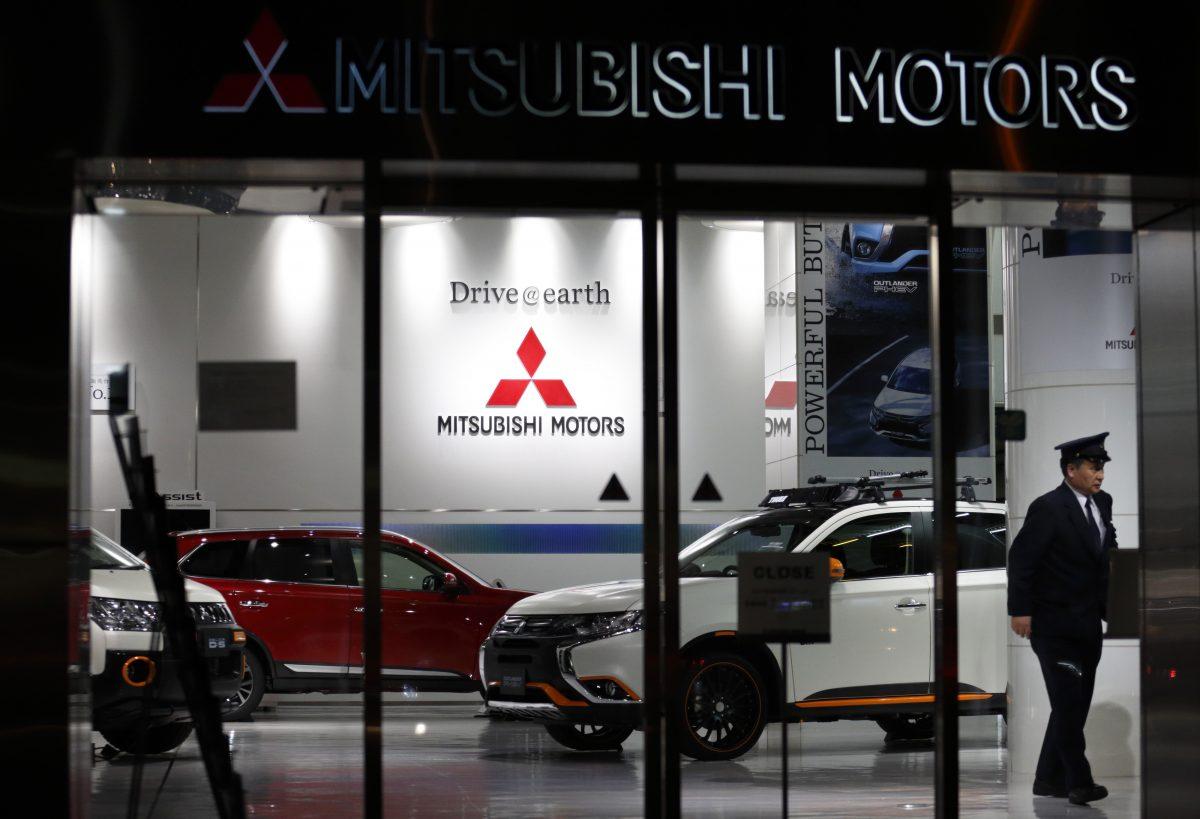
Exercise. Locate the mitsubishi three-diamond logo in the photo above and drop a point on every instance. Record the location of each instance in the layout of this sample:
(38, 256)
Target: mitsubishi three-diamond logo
(531, 424)
(553, 390)
(294, 93)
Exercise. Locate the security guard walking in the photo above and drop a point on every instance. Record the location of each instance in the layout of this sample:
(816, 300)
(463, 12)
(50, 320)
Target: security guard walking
(1057, 589)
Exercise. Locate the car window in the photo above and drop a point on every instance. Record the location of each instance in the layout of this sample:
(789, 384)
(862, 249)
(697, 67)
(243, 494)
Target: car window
(222, 558)
(910, 379)
(720, 559)
(292, 560)
(401, 570)
(874, 546)
(982, 540)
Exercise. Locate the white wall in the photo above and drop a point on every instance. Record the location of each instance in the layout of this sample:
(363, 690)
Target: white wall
(779, 350)
(721, 331)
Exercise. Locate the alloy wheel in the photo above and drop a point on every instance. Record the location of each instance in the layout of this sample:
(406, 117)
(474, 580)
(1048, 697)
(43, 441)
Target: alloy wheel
(723, 706)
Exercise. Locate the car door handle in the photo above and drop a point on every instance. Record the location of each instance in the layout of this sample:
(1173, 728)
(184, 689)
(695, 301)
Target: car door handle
(910, 603)
(253, 604)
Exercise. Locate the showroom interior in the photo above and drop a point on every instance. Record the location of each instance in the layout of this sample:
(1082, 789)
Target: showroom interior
(489, 324)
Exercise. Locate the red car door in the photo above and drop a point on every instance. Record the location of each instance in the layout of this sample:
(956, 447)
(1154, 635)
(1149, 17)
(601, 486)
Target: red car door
(428, 634)
(289, 597)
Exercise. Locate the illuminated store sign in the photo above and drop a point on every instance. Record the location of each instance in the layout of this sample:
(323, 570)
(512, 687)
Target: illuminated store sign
(928, 88)
(551, 79)
(675, 81)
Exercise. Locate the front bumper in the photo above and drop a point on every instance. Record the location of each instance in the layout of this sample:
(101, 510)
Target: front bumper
(119, 697)
(556, 679)
(899, 428)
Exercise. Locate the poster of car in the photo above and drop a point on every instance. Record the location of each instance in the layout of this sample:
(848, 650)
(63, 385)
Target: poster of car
(865, 354)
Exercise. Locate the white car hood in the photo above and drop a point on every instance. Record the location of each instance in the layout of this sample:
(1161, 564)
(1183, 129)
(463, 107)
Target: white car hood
(136, 584)
(596, 598)
(613, 596)
(908, 404)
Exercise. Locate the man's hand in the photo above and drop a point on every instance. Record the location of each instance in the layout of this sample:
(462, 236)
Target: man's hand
(1022, 626)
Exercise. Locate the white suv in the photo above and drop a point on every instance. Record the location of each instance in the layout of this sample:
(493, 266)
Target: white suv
(572, 658)
(134, 676)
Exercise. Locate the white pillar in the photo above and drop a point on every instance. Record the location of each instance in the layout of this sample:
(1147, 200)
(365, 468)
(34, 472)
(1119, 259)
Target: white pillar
(1064, 321)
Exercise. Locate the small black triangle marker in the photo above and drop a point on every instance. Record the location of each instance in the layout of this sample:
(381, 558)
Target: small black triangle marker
(707, 490)
(614, 491)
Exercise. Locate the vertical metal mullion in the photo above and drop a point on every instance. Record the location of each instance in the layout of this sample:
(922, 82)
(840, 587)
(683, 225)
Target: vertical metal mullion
(945, 538)
(671, 671)
(372, 492)
(652, 702)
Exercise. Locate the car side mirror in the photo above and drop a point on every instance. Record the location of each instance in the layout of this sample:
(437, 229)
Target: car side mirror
(837, 570)
(883, 378)
(451, 584)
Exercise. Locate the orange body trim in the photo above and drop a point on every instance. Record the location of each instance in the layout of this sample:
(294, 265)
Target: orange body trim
(622, 685)
(899, 700)
(554, 695)
(725, 634)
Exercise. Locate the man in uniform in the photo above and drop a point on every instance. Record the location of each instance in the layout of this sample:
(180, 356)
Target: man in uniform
(1057, 589)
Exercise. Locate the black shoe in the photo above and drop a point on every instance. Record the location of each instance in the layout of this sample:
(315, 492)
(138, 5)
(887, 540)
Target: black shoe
(1088, 793)
(1043, 788)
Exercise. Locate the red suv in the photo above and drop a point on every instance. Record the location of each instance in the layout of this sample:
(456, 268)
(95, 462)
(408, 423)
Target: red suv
(297, 593)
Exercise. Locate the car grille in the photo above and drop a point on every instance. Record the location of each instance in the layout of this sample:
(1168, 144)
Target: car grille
(897, 423)
(210, 614)
(538, 625)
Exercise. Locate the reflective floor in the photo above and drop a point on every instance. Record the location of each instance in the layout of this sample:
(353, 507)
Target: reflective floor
(443, 760)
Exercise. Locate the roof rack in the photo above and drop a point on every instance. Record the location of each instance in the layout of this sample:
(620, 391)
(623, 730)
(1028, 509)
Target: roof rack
(866, 487)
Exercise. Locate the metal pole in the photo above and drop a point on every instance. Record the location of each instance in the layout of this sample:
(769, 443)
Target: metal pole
(671, 671)
(783, 713)
(372, 428)
(652, 701)
(945, 538)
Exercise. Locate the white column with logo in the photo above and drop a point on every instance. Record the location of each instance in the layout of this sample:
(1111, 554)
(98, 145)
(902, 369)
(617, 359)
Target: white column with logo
(1070, 365)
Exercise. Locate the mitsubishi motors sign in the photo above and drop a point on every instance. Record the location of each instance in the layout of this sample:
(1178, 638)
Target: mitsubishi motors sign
(512, 356)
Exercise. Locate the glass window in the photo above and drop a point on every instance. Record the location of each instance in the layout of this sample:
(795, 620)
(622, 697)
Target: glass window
(401, 570)
(223, 558)
(716, 554)
(293, 561)
(103, 553)
(874, 546)
(981, 540)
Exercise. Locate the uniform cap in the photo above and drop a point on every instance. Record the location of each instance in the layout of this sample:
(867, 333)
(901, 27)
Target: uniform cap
(1090, 448)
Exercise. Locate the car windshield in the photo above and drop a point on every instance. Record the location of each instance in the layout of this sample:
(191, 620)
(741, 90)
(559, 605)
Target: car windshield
(910, 379)
(104, 553)
(716, 553)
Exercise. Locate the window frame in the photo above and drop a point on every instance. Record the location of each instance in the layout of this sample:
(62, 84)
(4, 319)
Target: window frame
(838, 522)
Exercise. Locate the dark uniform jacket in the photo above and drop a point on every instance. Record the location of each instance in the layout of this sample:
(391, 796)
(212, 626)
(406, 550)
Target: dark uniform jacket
(1055, 573)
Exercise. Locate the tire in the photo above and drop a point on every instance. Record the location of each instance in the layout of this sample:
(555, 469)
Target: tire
(721, 712)
(241, 705)
(158, 740)
(903, 727)
(581, 736)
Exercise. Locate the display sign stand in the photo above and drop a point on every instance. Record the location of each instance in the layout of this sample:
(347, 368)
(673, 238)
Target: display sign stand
(784, 597)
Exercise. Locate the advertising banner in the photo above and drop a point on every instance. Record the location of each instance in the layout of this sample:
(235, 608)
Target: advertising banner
(864, 394)
(512, 360)
(1077, 301)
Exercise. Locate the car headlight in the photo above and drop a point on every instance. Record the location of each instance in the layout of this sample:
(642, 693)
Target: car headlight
(112, 614)
(568, 625)
(603, 625)
(211, 614)
(873, 418)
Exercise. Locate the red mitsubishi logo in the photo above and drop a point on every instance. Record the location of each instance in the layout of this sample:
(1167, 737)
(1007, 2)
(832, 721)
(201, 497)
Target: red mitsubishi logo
(509, 391)
(782, 395)
(294, 92)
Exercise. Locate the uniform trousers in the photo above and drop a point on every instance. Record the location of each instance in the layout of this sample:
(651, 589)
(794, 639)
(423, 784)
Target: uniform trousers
(1069, 669)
